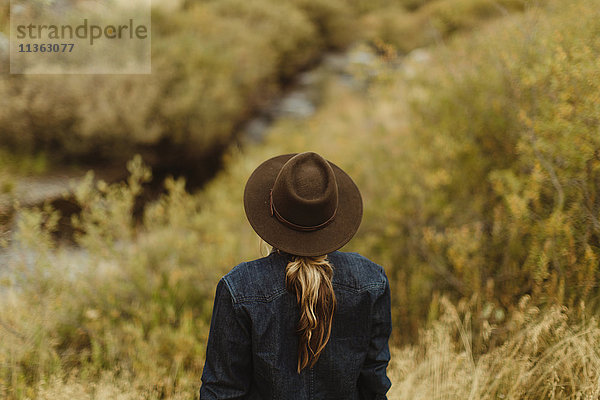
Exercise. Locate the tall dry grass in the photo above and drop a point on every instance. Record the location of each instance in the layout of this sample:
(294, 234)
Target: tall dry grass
(547, 356)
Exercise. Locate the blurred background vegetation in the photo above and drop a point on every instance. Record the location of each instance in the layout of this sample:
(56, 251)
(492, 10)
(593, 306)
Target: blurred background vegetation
(470, 126)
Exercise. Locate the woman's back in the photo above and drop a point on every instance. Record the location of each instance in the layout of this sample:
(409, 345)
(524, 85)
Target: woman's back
(314, 325)
(252, 350)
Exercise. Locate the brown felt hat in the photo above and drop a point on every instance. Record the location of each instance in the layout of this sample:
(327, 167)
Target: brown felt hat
(303, 204)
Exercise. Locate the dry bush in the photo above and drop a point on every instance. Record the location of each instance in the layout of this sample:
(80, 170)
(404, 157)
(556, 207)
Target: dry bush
(411, 24)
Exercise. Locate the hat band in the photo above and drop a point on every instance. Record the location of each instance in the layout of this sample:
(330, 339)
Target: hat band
(304, 228)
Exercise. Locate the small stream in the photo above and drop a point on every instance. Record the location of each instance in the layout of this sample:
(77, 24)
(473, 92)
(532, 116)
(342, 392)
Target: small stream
(304, 97)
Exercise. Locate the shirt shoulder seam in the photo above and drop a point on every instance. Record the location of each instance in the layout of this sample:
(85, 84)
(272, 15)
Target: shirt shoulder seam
(230, 290)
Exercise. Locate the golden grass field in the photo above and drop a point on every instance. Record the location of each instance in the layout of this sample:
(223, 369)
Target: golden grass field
(479, 162)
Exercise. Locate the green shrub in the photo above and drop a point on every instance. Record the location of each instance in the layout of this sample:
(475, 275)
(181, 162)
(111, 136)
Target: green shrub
(513, 130)
(492, 189)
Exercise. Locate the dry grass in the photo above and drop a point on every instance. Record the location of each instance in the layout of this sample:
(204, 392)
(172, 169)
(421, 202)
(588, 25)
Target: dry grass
(548, 357)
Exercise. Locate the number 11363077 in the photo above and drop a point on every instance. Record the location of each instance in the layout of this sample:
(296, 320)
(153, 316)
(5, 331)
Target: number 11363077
(46, 48)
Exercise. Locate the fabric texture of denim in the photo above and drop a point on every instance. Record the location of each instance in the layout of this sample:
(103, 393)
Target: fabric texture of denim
(252, 345)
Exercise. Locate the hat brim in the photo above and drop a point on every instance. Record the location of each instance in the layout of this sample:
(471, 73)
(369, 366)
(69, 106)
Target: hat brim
(313, 243)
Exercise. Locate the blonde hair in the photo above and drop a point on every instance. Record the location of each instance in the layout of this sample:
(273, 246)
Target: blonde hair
(309, 278)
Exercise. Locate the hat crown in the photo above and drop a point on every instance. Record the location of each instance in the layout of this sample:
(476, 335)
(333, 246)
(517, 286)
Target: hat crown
(305, 192)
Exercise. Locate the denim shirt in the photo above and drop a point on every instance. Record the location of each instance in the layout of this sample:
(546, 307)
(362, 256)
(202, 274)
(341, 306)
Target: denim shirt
(252, 345)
